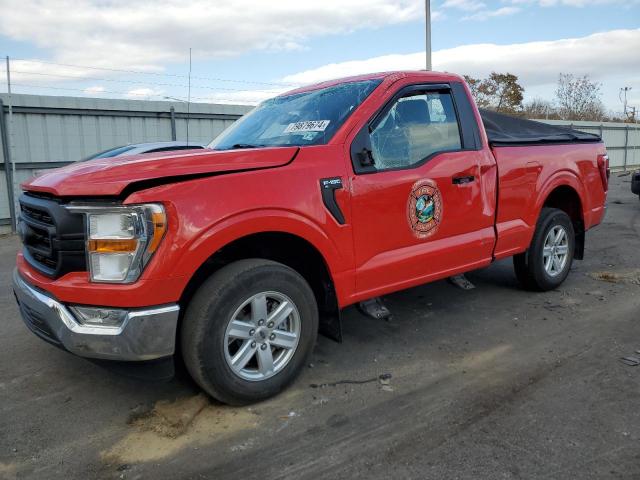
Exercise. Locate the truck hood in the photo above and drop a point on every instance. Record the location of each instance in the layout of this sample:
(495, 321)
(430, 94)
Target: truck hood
(111, 176)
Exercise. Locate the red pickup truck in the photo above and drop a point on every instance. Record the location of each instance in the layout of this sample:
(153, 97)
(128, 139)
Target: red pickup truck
(234, 257)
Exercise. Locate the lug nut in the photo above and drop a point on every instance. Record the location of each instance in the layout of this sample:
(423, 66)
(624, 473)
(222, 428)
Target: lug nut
(260, 322)
(253, 344)
(252, 332)
(272, 336)
(270, 325)
(263, 346)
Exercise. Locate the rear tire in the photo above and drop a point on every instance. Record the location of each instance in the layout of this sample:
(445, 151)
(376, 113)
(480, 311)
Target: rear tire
(249, 330)
(546, 264)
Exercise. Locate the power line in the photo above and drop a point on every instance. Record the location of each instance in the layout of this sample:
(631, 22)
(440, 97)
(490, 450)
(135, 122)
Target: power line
(138, 72)
(255, 99)
(135, 82)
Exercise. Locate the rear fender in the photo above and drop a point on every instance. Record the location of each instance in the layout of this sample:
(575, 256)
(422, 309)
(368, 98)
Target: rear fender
(564, 178)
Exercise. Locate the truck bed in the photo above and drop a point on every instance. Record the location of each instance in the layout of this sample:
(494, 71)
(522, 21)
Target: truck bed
(505, 130)
(526, 175)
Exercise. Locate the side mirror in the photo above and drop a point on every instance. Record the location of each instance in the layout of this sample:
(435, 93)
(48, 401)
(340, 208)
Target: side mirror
(366, 157)
(362, 152)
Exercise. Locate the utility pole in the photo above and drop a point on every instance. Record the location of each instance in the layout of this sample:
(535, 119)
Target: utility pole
(427, 32)
(12, 201)
(189, 96)
(623, 93)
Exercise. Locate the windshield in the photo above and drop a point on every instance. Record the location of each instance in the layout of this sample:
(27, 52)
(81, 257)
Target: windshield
(308, 118)
(113, 152)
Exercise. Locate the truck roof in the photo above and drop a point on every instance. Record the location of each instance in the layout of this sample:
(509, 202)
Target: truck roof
(427, 75)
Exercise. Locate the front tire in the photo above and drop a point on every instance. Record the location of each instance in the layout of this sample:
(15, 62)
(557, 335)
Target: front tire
(546, 264)
(249, 330)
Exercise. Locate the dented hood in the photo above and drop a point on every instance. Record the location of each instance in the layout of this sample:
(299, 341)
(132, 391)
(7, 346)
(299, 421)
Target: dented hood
(111, 176)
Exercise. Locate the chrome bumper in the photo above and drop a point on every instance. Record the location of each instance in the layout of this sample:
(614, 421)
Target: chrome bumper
(145, 334)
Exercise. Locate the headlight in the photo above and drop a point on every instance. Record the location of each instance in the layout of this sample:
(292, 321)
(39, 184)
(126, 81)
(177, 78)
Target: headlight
(121, 239)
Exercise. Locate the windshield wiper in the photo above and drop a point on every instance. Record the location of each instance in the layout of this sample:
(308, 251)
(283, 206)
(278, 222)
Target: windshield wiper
(236, 146)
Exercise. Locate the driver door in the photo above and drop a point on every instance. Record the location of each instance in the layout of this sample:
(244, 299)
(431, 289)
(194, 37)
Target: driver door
(419, 212)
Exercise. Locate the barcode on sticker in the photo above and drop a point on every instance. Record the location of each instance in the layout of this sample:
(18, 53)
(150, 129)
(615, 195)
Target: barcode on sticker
(308, 126)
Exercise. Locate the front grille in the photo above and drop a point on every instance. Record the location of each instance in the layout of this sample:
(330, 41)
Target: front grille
(38, 215)
(53, 237)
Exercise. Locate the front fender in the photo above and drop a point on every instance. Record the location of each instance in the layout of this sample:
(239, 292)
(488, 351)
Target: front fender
(247, 223)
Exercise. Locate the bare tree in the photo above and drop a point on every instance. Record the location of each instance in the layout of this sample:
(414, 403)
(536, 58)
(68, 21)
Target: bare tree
(579, 98)
(540, 108)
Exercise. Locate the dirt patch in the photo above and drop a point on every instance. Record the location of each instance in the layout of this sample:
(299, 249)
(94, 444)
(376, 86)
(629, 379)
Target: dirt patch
(632, 277)
(172, 426)
(8, 471)
(484, 357)
(171, 419)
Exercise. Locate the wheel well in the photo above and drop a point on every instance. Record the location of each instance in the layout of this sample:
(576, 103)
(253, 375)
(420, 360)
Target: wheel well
(285, 248)
(567, 199)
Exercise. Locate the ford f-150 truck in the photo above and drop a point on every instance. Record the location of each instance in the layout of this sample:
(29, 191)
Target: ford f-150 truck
(234, 257)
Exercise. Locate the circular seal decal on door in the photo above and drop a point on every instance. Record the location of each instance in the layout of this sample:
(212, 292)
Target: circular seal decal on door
(424, 209)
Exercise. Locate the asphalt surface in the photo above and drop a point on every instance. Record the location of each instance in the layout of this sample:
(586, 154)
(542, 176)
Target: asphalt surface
(493, 383)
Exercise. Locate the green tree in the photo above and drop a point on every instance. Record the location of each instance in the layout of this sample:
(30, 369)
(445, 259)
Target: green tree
(473, 83)
(500, 92)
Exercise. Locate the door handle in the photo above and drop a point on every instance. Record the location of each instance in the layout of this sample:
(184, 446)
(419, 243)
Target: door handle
(463, 180)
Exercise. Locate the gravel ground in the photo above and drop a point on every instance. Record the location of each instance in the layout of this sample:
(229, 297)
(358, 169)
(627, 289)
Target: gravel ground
(492, 383)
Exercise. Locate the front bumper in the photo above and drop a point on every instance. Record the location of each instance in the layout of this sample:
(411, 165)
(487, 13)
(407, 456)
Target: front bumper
(145, 334)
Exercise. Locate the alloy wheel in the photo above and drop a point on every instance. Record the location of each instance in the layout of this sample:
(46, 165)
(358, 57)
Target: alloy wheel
(262, 335)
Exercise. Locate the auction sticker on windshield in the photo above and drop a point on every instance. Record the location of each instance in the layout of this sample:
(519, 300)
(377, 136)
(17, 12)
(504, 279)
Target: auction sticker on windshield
(308, 126)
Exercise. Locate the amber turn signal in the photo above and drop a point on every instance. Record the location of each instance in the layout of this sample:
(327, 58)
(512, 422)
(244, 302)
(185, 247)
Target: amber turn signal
(113, 245)
(159, 220)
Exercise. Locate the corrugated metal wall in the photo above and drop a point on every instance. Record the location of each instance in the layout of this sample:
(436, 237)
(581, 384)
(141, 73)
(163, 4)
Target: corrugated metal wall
(622, 140)
(51, 131)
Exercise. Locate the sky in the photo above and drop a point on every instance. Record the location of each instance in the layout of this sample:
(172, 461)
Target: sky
(248, 50)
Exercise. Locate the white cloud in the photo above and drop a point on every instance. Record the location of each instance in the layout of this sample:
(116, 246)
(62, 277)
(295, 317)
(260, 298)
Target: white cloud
(575, 3)
(143, 35)
(583, 3)
(410, 61)
(486, 14)
(242, 97)
(465, 5)
(143, 93)
(35, 71)
(601, 55)
(534, 62)
(94, 90)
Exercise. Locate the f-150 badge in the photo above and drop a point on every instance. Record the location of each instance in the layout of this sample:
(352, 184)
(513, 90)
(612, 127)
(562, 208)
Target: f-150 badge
(424, 209)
